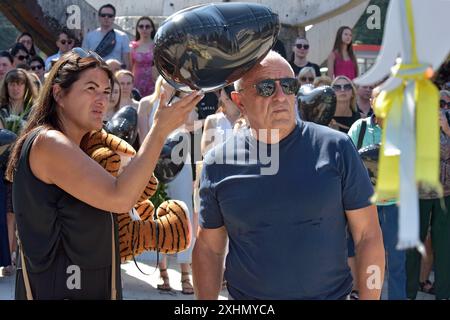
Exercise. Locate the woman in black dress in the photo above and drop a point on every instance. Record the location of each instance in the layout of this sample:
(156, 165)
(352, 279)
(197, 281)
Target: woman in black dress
(62, 198)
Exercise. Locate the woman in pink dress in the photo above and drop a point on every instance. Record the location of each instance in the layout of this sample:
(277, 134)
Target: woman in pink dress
(342, 60)
(142, 56)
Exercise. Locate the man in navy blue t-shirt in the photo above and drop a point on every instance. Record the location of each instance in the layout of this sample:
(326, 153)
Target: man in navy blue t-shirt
(284, 202)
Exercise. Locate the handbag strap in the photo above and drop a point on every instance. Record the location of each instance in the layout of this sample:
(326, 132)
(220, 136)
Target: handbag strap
(26, 280)
(362, 132)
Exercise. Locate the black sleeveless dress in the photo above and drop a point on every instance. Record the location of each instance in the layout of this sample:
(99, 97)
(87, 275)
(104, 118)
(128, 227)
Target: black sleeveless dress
(67, 244)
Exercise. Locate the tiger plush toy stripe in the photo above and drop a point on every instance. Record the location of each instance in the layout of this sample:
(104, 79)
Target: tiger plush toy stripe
(169, 232)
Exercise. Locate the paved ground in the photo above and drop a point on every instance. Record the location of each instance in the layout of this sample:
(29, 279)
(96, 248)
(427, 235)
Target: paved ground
(137, 286)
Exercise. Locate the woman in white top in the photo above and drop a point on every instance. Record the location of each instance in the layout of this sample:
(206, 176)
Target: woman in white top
(219, 126)
(180, 188)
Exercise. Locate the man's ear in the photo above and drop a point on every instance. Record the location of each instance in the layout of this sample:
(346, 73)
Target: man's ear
(236, 98)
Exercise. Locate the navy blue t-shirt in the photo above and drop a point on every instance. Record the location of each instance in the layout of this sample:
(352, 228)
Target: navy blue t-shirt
(287, 231)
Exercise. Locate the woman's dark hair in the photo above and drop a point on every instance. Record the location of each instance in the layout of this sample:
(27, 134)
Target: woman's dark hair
(338, 46)
(32, 51)
(152, 35)
(108, 5)
(6, 54)
(18, 76)
(44, 113)
(16, 48)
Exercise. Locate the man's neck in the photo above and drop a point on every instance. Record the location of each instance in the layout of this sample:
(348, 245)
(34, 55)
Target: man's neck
(364, 105)
(300, 62)
(272, 136)
(106, 29)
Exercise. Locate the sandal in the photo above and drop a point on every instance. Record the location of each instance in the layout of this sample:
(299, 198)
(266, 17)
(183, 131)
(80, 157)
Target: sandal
(427, 287)
(186, 285)
(165, 286)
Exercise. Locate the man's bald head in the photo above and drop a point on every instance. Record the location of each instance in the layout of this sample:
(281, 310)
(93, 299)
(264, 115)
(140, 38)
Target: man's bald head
(269, 59)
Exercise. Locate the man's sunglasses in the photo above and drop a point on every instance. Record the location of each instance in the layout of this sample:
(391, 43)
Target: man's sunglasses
(37, 67)
(144, 26)
(342, 87)
(104, 15)
(306, 79)
(63, 42)
(267, 87)
(444, 104)
(21, 58)
(300, 46)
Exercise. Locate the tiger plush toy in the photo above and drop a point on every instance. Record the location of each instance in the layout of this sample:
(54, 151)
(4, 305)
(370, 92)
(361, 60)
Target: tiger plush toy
(138, 229)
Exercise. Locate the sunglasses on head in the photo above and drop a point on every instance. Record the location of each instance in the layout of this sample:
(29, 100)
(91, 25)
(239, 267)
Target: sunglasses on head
(87, 54)
(144, 26)
(104, 15)
(37, 67)
(342, 87)
(267, 87)
(300, 46)
(21, 58)
(63, 42)
(306, 79)
(444, 104)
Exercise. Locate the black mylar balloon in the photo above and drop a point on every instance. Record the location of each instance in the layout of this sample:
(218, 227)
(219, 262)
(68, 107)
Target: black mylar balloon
(316, 104)
(172, 158)
(370, 156)
(209, 46)
(124, 124)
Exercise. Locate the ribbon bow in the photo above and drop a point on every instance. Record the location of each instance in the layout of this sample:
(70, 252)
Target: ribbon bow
(410, 141)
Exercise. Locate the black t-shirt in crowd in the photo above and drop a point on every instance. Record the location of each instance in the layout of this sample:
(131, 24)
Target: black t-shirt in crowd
(297, 69)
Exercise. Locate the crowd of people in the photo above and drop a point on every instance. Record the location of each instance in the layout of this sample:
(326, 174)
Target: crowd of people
(282, 238)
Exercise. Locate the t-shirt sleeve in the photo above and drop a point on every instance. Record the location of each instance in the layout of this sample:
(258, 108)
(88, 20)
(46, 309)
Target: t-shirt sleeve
(317, 69)
(85, 44)
(210, 216)
(356, 186)
(125, 44)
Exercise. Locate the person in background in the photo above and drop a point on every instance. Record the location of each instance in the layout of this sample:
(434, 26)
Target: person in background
(219, 126)
(435, 216)
(20, 54)
(17, 95)
(322, 81)
(300, 57)
(6, 63)
(367, 132)
(306, 76)
(346, 113)
(65, 42)
(114, 65)
(364, 100)
(114, 102)
(141, 55)
(108, 42)
(126, 80)
(37, 67)
(342, 61)
(26, 39)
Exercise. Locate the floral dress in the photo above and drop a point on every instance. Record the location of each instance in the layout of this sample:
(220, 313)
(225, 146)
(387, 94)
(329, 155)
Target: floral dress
(142, 69)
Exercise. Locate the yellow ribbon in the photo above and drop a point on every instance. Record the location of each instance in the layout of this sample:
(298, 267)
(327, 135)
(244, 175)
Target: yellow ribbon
(388, 106)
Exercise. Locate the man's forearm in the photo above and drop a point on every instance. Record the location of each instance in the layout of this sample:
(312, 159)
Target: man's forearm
(207, 271)
(370, 261)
